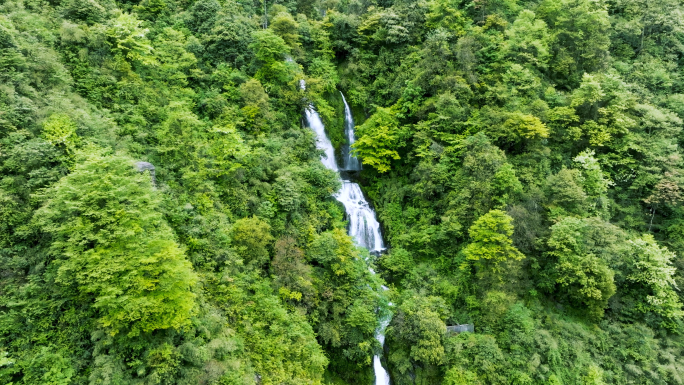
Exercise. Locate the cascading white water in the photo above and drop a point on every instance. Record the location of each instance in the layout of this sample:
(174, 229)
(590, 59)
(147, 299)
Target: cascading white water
(351, 163)
(381, 375)
(363, 225)
(322, 142)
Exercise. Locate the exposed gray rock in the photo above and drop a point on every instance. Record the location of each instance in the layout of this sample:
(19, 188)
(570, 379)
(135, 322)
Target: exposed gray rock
(146, 166)
(461, 328)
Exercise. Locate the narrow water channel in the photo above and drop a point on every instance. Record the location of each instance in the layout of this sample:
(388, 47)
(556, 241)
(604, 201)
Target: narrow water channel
(363, 224)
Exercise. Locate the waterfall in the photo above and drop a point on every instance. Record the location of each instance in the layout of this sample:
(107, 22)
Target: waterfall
(363, 225)
(322, 141)
(351, 163)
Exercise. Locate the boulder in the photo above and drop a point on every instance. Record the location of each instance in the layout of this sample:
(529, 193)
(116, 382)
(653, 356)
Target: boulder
(146, 166)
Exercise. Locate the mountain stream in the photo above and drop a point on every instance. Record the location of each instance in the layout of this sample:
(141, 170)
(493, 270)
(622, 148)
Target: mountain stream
(363, 225)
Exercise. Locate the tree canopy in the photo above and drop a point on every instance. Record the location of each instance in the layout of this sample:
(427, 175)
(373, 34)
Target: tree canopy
(165, 217)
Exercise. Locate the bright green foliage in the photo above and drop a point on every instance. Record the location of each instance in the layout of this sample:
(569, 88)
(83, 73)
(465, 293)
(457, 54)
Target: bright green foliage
(506, 184)
(564, 118)
(126, 37)
(60, 131)
(652, 274)
(233, 172)
(294, 280)
(378, 140)
(270, 50)
(89, 11)
(554, 113)
(284, 25)
(521, 127)
(464, 349)
(583, 276)
(343, 313)
(565, 193)
(445, 14)
(252, 240)
(581, 40)
(458, 376)
(417, 332)
(111, 242)
(398, 261)
(268, 47)
(257, 110)
(518, 129)
(594, 376)
(594, 181)
(491, 235)
(49, 367)
(281, 344)
(528, 40)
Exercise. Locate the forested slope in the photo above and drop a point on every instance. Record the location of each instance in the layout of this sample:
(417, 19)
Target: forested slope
(524, 158)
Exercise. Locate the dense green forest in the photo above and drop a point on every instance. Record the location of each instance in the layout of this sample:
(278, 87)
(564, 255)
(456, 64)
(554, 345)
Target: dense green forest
(523, 157)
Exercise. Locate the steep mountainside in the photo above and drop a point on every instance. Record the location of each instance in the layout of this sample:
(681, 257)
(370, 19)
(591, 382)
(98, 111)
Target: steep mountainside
(523, 157)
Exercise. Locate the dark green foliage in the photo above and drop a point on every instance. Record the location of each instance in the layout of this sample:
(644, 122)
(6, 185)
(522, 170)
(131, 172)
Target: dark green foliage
(548, 130)
(88, 11)
(524, 159)
(112, 277)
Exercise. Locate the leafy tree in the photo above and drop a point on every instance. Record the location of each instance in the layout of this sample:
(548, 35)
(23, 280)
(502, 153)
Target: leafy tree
(89, 11)
(666, 192)
(294, 275)
(518, 129)
(491, 240)
(642, 23)
(580, 44)
(594, 181)
(285, 26)
(416, 333)
(458, 376)
(379, 139)
(343, 316)
(446, 15)
(257, 110)
(465, 349)
(150, 9)
(580, 275)
(269, 51)
(203, 15)
(252, 240)
(566, 115)
(506, 184)
(651, 277)
(49, 367)
(565, 193)
(60, 130)
(229, 40)
(112, 244)
(483, 182)
(528, 40)
(127, 39)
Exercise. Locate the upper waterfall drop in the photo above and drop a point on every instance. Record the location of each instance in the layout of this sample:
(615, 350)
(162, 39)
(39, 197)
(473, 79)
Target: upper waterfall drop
(322, 142)
(350, 162)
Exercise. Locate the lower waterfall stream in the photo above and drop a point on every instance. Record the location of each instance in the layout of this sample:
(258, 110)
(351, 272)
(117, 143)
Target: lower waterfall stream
(363, 225)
